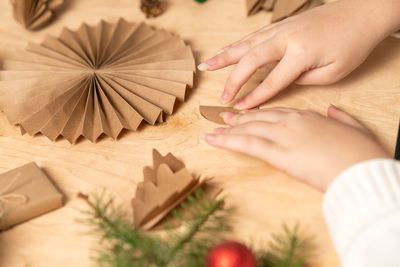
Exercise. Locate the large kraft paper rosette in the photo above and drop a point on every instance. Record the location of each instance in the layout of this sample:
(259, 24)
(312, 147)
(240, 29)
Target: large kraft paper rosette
(96, 80)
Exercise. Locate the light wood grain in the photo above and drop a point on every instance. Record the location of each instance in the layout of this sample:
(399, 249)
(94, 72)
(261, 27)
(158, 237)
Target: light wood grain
(264, 197)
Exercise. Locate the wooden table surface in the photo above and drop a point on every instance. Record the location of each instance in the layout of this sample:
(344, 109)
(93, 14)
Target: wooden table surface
(264, 197)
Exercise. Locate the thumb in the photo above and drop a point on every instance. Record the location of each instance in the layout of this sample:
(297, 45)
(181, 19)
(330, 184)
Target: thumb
(343, 117)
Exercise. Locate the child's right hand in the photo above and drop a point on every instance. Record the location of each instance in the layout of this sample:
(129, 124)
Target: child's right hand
(320, 46)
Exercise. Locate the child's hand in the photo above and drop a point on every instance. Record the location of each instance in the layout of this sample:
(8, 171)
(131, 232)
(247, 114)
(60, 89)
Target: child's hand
(304, 144)
(320, 46)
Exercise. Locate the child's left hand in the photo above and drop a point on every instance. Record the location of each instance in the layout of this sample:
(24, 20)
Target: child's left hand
(304, 144)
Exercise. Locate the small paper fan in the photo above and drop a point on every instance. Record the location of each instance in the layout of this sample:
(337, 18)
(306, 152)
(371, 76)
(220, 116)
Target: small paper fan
(34, 14)
(96, 80)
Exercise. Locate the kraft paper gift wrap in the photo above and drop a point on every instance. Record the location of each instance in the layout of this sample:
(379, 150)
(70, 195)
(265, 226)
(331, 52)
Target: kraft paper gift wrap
(26, 192)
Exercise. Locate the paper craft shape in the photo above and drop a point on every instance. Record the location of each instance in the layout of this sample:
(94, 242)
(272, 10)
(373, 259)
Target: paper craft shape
(212, 113)
(34, 14)
(281, 9)
(287, 8)
(25, 193)
(96, 80)
(253, 6)
(165, 186)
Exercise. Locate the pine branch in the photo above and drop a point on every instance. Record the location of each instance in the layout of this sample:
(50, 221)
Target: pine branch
(287, 249)
(196, 226)
(204, 229)
(126, 246)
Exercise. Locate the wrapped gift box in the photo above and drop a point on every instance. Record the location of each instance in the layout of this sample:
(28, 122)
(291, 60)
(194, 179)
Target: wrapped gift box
(26, 192)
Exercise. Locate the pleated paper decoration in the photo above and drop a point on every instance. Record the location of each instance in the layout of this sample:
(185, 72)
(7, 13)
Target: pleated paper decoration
(34, 14)
(165, 186)
(96, 80)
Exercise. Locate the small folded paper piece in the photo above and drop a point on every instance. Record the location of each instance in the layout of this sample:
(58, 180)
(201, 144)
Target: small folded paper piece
(253, 6)
(96, 80)
(287, 8)
(164, 187)
(34, 14)
(281, 9)
(26, 192)
(212, 113)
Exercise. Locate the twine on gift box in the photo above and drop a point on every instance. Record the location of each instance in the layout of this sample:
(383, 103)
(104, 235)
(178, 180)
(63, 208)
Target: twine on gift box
(11, 198)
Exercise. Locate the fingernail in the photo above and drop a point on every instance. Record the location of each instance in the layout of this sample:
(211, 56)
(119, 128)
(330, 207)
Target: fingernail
(244, 111)
(220, 130)
(222, 114)
(226, 115)
(239, 104)
(211, 62)
(202, 67)
(210, 137)
(225, 98)
(220, 51)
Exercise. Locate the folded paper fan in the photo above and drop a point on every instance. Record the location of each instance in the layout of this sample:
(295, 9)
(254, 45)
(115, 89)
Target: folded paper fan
(34, 14)
(96, 80)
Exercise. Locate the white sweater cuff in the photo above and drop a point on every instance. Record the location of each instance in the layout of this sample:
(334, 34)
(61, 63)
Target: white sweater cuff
(359, 196)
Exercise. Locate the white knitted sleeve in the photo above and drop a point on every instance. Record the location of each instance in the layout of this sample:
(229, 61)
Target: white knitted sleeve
(362, 211)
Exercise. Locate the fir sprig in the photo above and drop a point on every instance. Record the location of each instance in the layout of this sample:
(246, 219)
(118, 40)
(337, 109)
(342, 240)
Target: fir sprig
(127, 246)
(287, 249)
(204, 220)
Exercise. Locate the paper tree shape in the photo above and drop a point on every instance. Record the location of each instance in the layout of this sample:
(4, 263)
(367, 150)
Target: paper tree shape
(34, 14)
(96, 80)
(165, 185)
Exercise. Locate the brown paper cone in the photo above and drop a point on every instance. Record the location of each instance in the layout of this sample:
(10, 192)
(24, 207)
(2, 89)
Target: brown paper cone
(96, 80)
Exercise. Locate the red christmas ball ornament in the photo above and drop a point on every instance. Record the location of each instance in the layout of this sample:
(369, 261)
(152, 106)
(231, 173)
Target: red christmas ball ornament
(231, 254)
